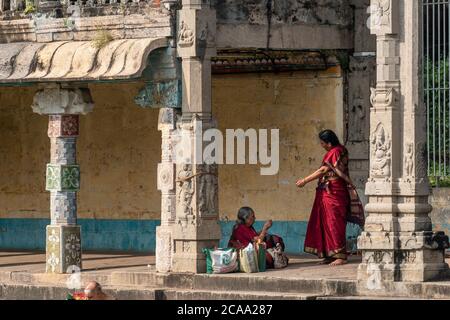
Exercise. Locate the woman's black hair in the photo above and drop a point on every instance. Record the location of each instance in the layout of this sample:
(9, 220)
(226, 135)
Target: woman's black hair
(328, 136)
(243, 214)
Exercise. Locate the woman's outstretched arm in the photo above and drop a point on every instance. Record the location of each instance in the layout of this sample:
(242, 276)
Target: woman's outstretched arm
(264, 231)
(316, 175)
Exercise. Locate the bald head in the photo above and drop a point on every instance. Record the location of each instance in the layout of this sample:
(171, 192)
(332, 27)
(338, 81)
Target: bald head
(93, 290)
(94, 286)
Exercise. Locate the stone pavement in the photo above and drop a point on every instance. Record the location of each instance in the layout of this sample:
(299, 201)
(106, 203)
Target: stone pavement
(94, 263)
(133, 276)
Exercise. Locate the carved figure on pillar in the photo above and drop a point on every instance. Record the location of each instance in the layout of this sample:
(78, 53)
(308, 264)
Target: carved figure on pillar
(185, 189)
(357, 119)
(212, 186)
(381, 159)
(409, 160)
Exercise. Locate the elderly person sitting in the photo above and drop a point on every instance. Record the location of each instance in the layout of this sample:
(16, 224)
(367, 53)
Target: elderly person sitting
(94, 291)
(244, 233)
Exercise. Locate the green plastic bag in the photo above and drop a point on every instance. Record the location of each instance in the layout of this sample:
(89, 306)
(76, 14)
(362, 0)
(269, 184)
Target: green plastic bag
(209, 268)
(261, 254)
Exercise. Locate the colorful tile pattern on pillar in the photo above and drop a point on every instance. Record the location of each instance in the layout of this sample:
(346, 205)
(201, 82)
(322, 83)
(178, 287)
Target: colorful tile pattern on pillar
(63, 177)
(63, 249)
(63, 126)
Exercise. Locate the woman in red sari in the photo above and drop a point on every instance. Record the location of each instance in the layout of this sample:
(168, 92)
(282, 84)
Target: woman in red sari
(335, 204)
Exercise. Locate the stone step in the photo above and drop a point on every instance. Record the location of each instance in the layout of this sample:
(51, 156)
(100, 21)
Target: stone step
(32, 292)
(234, 282)
(203, 282)
(150, 282)
(48, 292)
(236, 295)
(259, 283)
(264, 283)
(370, 298)
(51, 292)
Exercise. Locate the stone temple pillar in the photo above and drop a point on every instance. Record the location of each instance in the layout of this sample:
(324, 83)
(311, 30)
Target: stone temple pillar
(63, 236)
(196, 226)
(398, 243)
(166, 184)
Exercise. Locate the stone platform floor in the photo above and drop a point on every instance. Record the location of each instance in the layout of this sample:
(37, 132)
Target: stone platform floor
(34, 262)
(133, 276)
(300, 266)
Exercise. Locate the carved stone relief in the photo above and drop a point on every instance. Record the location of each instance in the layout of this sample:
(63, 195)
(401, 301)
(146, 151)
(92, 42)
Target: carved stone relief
(409, 160)
(381, 157)
(357, 117)
(185, 189)
(165, 177)
(164, 250)
(383, 98)
(384, 18)
(208, 190)
(185, 35)
(381, 12)
(405, 257)
(379, 257)
(206, 36)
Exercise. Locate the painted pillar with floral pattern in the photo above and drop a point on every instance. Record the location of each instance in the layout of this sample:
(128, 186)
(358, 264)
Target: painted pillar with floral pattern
(63, 236)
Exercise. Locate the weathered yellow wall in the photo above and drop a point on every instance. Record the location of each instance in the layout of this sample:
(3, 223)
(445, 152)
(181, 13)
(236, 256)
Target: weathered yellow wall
(24, 152)
(119, 147)
(118, 150)
(119, 157)
(300, 104)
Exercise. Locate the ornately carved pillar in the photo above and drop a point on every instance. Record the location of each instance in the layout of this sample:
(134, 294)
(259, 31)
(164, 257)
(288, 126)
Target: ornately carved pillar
(166, 184)
(63, 237)
(197, 217)
(398, 243)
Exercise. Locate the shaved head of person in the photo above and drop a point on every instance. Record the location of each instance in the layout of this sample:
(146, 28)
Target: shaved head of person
(93, 291)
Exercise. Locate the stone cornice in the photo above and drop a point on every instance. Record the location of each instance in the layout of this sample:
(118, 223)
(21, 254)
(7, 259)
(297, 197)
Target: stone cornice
(135, 26)
(66, 8)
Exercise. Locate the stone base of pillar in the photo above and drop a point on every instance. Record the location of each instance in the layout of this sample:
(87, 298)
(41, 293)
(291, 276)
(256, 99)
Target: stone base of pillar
(189, 242)
(408, 257)
(189, 258)
(164, 249)
(63, 249)
(374, 274)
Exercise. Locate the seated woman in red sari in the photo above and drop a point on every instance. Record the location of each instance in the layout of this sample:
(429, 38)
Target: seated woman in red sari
(244, 233)
(336, 203)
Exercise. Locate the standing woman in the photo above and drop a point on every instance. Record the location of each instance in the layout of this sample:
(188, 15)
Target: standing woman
(336, 203)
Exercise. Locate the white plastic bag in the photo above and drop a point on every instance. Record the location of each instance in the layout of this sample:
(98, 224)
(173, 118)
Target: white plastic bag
(224, 261)
(248, 259)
